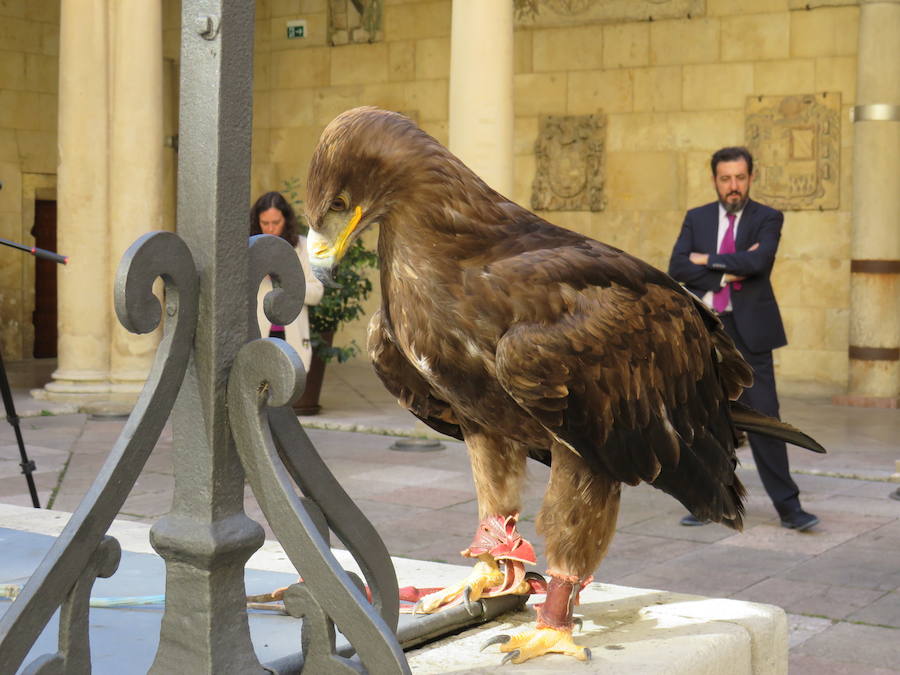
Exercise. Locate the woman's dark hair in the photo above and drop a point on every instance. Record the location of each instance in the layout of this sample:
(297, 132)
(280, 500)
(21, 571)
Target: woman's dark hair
(732, 155)
(275, 200)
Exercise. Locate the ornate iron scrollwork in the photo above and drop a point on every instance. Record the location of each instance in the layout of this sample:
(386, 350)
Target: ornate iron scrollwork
(74, 655)
(157, 254)
(266, 376)
(268, 372)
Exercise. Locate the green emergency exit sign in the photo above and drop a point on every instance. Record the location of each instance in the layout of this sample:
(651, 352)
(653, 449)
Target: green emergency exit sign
(296, 29)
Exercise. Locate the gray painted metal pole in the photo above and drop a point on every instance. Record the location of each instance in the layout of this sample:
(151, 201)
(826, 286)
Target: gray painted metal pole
(207, 538)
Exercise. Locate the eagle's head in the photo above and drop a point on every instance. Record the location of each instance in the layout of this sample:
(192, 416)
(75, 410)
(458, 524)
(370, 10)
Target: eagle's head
(360, 168)
(373, 166)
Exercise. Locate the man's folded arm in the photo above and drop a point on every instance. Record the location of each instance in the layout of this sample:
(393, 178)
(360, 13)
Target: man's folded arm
(682, 269)
(758, 261)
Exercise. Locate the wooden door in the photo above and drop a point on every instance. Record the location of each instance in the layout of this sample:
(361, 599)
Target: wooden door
(44, 317)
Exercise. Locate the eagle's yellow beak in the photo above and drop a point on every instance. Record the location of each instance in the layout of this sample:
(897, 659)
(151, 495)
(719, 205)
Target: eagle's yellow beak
(324, 253)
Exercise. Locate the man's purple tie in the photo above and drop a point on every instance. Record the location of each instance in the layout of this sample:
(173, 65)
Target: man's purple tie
(721, 298)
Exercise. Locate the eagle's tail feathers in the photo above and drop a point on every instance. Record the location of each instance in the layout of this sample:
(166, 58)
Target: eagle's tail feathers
(748, 419)
(708, 489)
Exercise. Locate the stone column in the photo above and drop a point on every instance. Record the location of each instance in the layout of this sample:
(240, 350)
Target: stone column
(136, 164)
(875, 268)
(481, 89)
(84, 284)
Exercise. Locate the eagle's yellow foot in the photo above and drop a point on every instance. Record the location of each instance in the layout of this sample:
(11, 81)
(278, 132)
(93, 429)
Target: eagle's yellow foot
(537, 642)
(485, 575)
(553, 632)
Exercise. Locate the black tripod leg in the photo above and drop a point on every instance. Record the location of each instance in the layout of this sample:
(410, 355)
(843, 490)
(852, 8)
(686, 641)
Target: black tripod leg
(28, 466)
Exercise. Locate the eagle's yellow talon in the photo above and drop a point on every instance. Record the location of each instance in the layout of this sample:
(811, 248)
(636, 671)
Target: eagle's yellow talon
(496, 640)
(539, 641)
(512, 656)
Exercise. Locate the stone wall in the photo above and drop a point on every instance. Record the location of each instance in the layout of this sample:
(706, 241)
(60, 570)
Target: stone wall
(665, 93)
(29, 45)
(672, 91)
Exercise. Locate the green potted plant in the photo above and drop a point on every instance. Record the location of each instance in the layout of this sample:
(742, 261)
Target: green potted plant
(337, 306)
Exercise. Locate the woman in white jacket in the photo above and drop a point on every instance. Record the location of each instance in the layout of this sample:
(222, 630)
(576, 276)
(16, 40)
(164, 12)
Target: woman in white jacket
(272, 214)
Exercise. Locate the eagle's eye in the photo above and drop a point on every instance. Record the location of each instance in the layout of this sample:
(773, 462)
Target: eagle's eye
(339, 203)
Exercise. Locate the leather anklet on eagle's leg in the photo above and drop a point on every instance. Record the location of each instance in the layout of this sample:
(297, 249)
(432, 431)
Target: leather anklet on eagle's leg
(502, 554)
(553, 630)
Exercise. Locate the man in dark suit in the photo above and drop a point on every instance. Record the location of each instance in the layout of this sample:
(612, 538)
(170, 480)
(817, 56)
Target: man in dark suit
(724, 255)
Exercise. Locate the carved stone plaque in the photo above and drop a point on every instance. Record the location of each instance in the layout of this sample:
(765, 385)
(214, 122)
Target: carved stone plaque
(796, 146)
(354, 21)
(569, 174)
(544, 13)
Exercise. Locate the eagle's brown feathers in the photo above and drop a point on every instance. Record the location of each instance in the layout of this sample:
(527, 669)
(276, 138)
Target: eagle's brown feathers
(496, 324)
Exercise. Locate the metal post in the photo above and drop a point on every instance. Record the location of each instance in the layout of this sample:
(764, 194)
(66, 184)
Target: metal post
(207, 538)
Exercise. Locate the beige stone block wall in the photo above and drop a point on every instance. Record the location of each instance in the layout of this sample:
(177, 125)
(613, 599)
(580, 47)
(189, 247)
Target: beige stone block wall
(717, 86)
(307, 83)
(824, 31)
(29, 45)
(592, 91)
(684, 41)
(755, 37)
(657, 89)
(785, 77)
(673, 92)
(626, 45)
(574, 48)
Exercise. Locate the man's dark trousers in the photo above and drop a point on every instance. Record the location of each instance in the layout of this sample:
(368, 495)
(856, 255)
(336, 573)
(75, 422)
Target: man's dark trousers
(770, 454)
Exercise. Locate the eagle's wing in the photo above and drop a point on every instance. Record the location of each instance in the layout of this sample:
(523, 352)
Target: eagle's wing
(634, 378)
(405, 382)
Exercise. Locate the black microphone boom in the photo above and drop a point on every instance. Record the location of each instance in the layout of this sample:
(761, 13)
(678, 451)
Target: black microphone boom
(37, 252)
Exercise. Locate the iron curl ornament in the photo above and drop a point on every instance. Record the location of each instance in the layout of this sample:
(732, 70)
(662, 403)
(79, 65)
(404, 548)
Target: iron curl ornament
(60, 576)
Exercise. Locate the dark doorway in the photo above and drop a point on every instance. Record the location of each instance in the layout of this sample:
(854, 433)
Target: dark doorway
(44, 317)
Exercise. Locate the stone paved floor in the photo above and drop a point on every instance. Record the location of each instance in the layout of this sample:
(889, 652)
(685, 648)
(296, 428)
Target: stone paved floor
(840, 582)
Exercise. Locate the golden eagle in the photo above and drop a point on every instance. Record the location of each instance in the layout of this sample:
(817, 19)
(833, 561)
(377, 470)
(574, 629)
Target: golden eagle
(526, 339)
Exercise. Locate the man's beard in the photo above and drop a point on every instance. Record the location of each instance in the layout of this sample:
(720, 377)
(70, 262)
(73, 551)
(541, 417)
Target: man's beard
(734, 207)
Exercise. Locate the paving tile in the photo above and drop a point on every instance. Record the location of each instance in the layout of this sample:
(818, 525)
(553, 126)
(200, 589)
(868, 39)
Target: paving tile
(713, 570)
(880, 506)
(804, 664)
(23, 498)
(44, 482)
(668, 526)
(447, 522)
(429, 497)
(834, 529)
(805, 597)
(630, 553)
(850, 565)
(885, 611)
(51, 464)
(802, 628)
(868, 488)
(402, 541)
(884, 538)
(870, 646)
(148, 504)
(408, 474)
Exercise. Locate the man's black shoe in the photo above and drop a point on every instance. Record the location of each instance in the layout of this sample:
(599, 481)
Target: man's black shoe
(690, 520)
(799, 520)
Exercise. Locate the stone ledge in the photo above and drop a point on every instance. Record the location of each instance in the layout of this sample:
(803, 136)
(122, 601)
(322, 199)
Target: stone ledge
(629, 630)
(633, 630)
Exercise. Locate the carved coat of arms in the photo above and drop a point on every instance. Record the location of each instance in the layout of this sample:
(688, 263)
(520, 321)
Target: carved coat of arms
(569, 153)
(796, 143)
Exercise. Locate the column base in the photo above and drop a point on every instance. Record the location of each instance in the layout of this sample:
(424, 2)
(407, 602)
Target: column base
(863, 401)
(90, 395)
